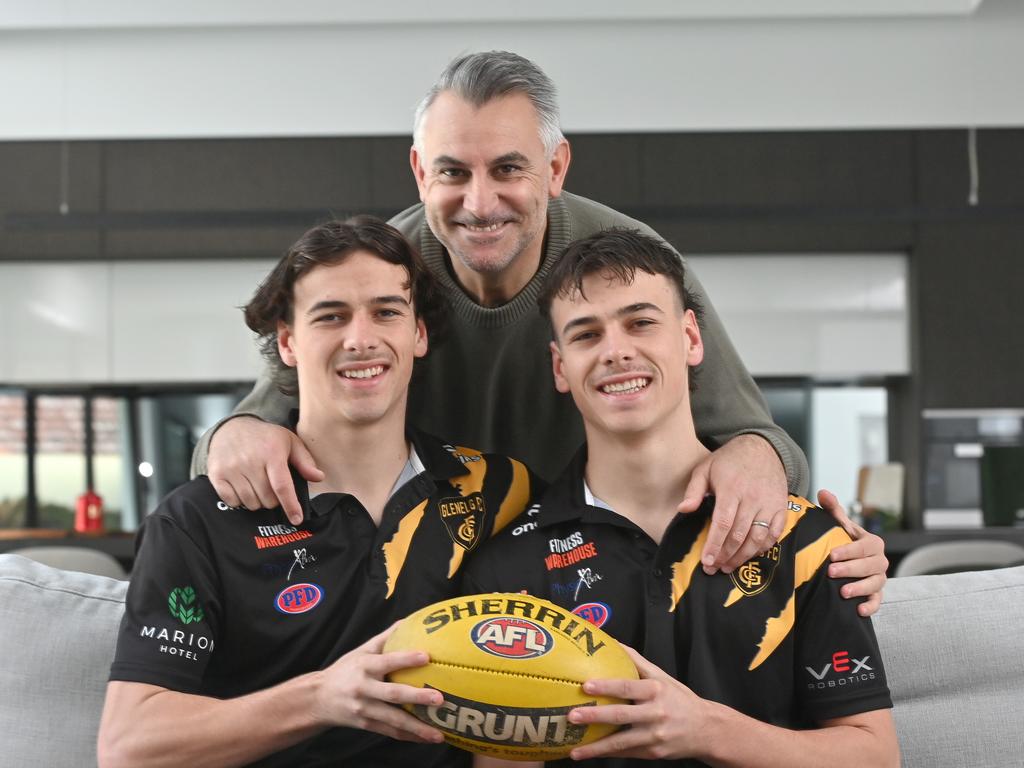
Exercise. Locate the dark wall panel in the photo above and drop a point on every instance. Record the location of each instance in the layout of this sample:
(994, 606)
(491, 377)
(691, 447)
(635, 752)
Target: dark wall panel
(971, 290)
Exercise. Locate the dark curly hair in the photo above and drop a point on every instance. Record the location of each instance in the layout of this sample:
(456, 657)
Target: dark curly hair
(327, 244)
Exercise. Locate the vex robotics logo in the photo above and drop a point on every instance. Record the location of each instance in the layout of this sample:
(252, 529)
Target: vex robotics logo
(841, 671)
(754, 576)
(512, 638)
(461, 515)
(183, 605)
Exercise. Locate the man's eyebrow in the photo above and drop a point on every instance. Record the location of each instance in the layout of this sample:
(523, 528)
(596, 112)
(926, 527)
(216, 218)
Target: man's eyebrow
(337, 304)
(578, 321)
(631, 309)
(511, 157)
(328, 304)
(640, 306)
(446, 160)
(390, 300)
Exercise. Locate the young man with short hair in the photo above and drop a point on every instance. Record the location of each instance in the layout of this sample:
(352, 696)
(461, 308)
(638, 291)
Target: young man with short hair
(765, 666)
(246, 638)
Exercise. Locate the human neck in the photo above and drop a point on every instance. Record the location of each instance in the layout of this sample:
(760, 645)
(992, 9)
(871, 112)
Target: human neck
(363, 460)
(493, 289)
(643, 477)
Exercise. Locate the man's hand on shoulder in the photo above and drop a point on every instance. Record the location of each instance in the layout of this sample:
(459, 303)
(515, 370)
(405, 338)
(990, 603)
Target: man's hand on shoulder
(248, 465)
(863, 558)
(749, 483)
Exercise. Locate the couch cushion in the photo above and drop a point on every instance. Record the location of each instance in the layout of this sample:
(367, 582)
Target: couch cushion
(57, 637)
(952, 649)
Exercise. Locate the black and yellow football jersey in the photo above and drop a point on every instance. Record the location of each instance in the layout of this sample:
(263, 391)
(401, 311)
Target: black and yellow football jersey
(774, 639)
(224, 601)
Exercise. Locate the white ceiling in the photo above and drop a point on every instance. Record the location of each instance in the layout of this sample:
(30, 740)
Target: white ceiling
(120, 69)
(62, 14)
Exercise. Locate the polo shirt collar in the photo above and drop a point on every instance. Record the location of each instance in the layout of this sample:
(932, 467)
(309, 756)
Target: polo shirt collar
(427, 455)
(566, 499)
(570, 498)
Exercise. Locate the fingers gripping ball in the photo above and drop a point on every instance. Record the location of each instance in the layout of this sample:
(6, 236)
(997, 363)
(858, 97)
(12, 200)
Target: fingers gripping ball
(510, 668)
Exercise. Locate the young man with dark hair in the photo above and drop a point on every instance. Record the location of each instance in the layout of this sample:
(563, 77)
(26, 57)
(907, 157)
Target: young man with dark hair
(246, 637)
(765, 666)
(490, 163)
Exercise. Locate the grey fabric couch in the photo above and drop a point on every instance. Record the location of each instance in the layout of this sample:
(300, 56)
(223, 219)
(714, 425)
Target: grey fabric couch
(952, 645)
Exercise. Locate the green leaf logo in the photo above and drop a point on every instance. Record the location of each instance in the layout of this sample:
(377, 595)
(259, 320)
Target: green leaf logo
(183, 605)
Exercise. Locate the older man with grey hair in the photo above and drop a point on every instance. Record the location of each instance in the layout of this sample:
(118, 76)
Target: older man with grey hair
(490, 162)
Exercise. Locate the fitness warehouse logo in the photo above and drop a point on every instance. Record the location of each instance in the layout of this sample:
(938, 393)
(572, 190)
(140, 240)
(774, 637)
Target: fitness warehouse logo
(183, 605)
(842, 670)
(569, 551)
(278, 535)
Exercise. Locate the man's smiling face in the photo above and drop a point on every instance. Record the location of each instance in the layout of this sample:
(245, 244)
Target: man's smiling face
(353, 339)
(623, 351)
(485, 178)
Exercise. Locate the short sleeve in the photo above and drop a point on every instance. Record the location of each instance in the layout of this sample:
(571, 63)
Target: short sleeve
(172, 610)
(838, 667)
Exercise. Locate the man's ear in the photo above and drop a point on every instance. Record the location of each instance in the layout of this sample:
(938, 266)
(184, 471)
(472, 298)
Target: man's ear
(559, 168)
(561, 383)
(695, 352)
(421, 338)
(418, 171)
(284, 344)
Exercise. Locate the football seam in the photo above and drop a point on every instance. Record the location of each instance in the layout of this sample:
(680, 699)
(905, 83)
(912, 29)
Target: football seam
(488, 670)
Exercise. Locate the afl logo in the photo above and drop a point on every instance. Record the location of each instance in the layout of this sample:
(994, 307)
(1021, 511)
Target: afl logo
(512, 638)
(596, 613)
(298, 598)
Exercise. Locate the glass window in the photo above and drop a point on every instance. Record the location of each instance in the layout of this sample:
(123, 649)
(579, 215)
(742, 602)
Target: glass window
(111, 465)
(13, 462)
(849, 431)
(170, 425)
(60, 458)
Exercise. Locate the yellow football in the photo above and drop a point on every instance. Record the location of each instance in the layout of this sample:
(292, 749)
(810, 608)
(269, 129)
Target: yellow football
(510, 667)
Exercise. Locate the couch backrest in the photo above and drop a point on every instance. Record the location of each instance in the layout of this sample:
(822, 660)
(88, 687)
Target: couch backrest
(952, 647)
(57, 635)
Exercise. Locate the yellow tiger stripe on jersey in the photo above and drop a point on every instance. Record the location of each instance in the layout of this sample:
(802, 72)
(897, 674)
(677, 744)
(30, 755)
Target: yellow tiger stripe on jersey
(682, 571)
(470, 483)
(516, 499)
(808, 561)
(798, 507)
(397, 549)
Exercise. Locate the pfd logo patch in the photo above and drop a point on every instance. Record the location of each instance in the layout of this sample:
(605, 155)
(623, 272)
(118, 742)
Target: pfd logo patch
(298, 598)
(462, 517)
(512, 638)
(754, 576)
(596, 613)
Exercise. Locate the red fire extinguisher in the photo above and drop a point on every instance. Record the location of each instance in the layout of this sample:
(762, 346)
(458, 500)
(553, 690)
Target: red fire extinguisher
(89, 512)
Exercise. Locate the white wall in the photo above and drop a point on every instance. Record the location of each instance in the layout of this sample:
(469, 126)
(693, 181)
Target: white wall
(820, 315)
(117, 69)
(137, 322)
(127, 322)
